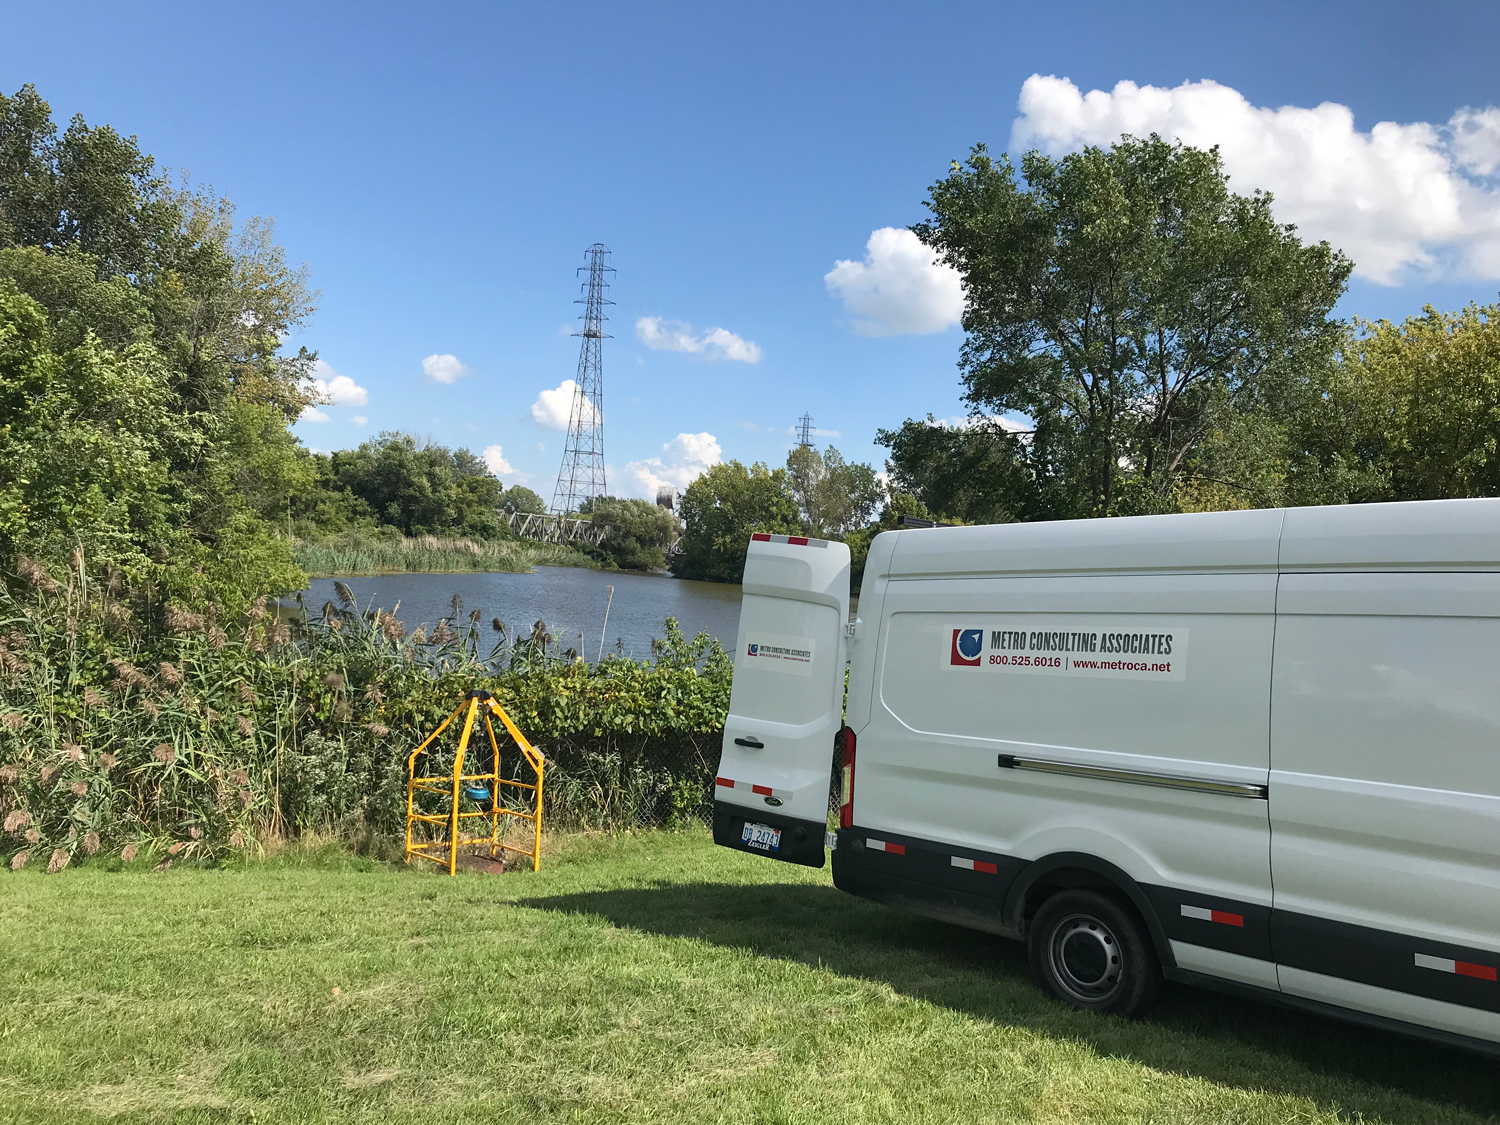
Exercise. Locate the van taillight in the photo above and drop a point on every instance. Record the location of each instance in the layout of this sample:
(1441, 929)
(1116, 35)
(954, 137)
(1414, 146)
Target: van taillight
(846, 809)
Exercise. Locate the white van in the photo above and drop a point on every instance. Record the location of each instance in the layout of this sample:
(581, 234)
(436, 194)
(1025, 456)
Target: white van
(1253, 750)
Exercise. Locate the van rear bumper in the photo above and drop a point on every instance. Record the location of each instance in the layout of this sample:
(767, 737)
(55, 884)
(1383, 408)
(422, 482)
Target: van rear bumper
(801, 840)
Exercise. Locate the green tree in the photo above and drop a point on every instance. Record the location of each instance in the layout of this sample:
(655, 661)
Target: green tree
(520, 500)
(979, 473)
(835, 496)
(150, 285)
(1428, 391)
(637, 533)
(421, 487)
(1126, 301)
(722, 509)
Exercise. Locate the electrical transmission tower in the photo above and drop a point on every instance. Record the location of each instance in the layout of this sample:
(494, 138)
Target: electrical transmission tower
(582, 474)
(805, 431)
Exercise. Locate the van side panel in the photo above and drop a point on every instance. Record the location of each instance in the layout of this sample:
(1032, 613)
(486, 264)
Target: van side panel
(1385, 782)
(930, 764)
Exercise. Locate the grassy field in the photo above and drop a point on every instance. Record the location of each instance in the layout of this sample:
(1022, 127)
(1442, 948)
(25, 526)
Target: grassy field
(648, 978)
(429, 554)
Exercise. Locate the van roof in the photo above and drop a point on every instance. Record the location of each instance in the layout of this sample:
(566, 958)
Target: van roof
(1436, 534)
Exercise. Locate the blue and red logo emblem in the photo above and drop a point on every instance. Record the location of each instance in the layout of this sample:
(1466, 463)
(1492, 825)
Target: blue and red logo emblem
(968, 645)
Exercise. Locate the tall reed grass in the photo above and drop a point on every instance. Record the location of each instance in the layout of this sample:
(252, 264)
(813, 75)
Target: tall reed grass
(429, 554)
(130, 728)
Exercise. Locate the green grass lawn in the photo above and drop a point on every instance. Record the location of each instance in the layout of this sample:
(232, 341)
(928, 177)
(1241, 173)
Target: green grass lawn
(648, 978)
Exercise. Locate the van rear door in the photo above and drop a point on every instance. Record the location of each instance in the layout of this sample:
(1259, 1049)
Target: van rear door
(771, 791)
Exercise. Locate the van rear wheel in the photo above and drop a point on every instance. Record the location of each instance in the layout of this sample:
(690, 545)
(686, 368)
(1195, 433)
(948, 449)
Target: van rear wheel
(1092, 952)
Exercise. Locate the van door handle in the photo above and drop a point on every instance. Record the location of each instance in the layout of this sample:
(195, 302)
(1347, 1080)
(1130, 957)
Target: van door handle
(752, 742)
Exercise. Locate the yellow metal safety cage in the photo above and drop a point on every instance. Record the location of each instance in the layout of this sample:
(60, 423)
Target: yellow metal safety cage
(473, 795)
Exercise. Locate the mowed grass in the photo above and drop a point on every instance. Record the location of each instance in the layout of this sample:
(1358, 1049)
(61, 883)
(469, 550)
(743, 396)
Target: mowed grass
(639, 978)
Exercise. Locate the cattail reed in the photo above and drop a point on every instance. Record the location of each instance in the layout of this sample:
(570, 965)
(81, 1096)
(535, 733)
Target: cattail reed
(38, 575)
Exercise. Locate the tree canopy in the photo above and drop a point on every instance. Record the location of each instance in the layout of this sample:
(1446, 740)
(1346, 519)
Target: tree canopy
(637, 533)
(723, 508)
(421, 487)
(1126, 301)
(146, 398)
(835, 497)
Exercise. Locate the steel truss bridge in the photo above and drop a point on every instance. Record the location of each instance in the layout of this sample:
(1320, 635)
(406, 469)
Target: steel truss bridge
(554, 529)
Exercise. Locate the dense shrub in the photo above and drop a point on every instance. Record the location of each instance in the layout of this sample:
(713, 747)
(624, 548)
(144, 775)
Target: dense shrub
(198, 735)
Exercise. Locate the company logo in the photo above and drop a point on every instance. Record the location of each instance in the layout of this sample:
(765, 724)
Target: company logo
(967, 646)
(753, 650)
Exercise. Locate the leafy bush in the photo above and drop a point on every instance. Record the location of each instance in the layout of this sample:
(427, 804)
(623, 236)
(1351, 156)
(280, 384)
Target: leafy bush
(130, 727)
(637, 533)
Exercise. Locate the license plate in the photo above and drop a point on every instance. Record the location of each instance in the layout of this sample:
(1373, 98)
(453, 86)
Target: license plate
(762, 837)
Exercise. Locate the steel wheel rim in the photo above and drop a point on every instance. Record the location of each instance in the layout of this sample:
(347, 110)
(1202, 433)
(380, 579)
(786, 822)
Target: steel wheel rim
(1085, 958)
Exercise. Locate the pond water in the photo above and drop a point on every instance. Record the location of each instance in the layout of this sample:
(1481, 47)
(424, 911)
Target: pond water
(570, 600)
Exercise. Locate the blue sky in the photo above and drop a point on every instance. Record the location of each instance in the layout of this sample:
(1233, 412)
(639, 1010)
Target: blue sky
(443, 167)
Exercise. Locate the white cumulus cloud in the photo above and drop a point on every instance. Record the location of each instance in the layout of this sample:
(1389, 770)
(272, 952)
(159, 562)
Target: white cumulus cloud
(899, 289)
(494, 460)
(1396, 199)
(715, 343)
(359, 420)
(443, 368)
(683, 460)
(1476, 139)
(332, 388)
(553, 409)
(312, 414)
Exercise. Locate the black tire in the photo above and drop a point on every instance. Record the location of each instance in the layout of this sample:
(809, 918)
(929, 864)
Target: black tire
(1093, 952)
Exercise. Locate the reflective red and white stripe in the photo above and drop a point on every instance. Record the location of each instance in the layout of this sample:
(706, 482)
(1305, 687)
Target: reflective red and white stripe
(885, 846)
(758, 790)
(1203, 914)
(791, 540)
(975, 865)
(1462, 968)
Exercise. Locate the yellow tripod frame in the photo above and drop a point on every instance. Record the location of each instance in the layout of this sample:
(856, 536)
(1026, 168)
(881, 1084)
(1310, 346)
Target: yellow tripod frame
(476, 704)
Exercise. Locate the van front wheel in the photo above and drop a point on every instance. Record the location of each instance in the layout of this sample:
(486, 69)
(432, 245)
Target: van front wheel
(1092, 952)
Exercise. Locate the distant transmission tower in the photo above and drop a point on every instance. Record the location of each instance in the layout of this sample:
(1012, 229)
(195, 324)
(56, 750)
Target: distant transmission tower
(804, 431)
(582, 474)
